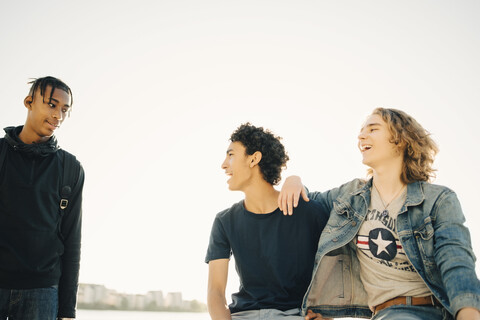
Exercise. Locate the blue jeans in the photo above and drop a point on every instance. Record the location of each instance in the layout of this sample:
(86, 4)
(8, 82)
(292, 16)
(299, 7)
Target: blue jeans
(268, 314)
(29, 304)
(403, 312)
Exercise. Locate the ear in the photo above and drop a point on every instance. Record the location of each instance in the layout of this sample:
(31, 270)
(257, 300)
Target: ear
(255, 158)
(28, 102)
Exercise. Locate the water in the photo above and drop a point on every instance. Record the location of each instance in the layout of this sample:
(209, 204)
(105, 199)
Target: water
(138, 315)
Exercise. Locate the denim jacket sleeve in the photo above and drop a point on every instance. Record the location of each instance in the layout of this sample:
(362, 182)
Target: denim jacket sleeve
(453, 253)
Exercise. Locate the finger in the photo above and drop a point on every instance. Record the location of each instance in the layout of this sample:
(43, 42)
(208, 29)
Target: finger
(283, 203)
(289, 205)
(279, 201)
(305, 195)
(296, 197)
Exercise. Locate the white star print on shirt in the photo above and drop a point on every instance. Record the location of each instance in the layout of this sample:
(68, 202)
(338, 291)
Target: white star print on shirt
(382, 244)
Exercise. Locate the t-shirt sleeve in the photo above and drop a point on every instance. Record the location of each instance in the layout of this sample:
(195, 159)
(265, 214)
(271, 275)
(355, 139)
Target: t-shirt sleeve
(219, 245)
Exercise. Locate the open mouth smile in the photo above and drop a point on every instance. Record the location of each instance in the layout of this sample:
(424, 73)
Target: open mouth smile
(365, 147)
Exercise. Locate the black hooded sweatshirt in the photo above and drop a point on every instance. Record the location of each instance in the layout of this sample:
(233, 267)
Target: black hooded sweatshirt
(38, 249)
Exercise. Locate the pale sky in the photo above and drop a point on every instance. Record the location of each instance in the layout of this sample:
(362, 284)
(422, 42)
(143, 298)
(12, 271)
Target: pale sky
(159, 86)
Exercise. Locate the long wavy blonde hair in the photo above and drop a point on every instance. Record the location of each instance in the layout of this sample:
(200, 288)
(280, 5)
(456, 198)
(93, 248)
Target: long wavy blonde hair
(419, 149)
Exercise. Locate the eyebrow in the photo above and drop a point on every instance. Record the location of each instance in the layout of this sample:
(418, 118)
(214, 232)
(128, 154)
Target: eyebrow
(229, 150)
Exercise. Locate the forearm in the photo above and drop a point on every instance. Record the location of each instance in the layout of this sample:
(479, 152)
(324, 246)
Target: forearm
(67, 289)
(217, 306)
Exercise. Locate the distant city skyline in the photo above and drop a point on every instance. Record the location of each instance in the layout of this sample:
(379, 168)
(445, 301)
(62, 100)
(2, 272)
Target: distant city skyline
(99, 297)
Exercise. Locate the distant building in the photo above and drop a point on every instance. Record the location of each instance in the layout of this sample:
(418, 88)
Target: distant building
(155, 299)
(91, 293)
(173, 300)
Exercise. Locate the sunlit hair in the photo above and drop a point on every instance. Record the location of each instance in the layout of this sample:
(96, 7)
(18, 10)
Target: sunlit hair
(42, 84)
(274, 157)
(414, 141)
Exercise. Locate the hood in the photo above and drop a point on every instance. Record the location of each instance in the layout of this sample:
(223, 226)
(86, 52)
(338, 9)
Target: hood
(43, 149)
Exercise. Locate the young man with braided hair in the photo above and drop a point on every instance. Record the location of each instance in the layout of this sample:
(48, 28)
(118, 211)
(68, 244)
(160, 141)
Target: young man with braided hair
(274, 254)
(40, 216)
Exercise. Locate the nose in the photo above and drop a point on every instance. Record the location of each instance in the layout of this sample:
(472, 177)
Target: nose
(57, 114)
(224, 164)
(361, 135)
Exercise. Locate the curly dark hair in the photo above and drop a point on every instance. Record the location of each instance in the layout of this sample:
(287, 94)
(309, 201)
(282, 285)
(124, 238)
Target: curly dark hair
(274, 156)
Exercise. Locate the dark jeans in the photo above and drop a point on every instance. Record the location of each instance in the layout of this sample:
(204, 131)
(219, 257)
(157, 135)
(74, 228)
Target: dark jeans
(30, 304)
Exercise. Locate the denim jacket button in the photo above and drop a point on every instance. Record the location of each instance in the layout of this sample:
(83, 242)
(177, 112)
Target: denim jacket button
(334, 239)
(354, 223)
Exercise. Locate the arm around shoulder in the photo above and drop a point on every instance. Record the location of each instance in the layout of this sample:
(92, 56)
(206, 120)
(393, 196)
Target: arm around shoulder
(217, 283)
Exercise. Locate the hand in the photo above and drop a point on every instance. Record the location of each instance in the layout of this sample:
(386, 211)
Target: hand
(468, 313)
(291, 191)
(313, 315)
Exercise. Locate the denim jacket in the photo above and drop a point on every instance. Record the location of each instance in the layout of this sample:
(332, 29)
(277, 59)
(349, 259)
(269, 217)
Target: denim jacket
(431, 229)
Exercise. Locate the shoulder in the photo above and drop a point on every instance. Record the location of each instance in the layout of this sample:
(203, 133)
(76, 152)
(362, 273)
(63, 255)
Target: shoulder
(354, 185)
(350, 188)
(435, 188)
(229, 212)
(314, 209)
(436, 195)
(64, 153)
(71, 159)
(312, 205)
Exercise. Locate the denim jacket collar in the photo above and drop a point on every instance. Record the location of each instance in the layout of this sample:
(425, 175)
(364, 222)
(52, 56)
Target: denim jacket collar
(415, 194)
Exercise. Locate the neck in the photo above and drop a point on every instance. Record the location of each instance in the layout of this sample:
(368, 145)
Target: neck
(261, 198)
(28, 136)
(388, 182)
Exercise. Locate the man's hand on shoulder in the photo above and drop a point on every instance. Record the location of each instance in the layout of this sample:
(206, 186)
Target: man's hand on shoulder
(290, 194)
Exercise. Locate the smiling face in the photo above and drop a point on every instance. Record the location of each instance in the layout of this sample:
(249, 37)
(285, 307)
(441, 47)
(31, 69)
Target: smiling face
(45, 114)
(238, 166)
(374, 142)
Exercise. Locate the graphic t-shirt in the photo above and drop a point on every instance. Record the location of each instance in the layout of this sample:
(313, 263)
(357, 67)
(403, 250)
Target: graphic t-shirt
(386, 272)
(274, 254)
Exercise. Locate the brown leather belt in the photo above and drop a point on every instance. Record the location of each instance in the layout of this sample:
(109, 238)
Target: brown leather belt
(411, 301)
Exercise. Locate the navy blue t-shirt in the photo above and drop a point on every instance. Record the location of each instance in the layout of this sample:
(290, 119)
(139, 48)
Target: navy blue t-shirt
(274, 253)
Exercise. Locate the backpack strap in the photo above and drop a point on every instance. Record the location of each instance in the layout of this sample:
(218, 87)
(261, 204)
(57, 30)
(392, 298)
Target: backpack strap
(71, 171)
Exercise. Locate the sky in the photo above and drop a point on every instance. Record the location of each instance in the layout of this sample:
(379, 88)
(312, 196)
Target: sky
(159, 86)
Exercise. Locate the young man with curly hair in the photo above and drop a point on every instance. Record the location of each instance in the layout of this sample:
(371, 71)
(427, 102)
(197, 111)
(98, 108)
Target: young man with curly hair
(273, 253)
(395, 246)
(40, 215)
